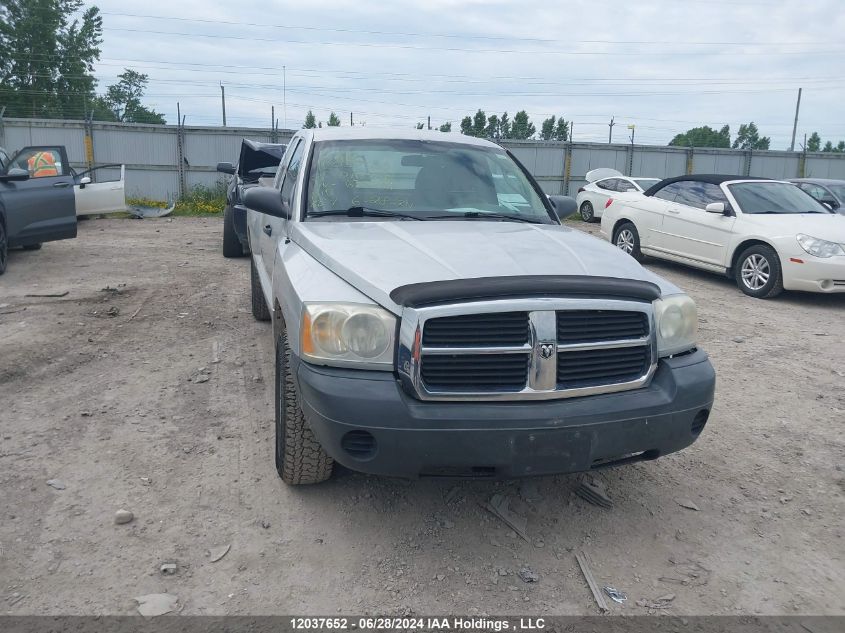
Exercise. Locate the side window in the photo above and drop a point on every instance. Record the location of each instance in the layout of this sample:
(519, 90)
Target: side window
(669, 192)
(623, 185)
(4, 160)
(814, 190)
(606, 184)
(699, 194)
(41, 162)
(291, 172)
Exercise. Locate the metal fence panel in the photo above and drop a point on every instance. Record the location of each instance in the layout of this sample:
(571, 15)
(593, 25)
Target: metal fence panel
(150, 155)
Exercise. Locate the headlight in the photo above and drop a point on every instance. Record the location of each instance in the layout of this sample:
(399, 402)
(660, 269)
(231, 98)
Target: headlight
(348, 334)
(676, 319)
(819, 248)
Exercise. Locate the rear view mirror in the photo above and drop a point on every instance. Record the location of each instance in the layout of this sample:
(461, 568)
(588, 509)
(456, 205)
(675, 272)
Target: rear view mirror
(267, 200)
(830, 202)
(564, 206)
(226, 168)
(15, 174)
(716, 207)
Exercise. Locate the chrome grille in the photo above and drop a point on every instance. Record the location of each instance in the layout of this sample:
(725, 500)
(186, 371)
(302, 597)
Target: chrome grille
(501, 328)
(526, 348)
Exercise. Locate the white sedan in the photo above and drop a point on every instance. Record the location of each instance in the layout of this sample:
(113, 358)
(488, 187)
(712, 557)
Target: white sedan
(602, 184)
(766, 234)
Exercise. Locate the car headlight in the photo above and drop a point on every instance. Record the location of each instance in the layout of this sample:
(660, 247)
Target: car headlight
(348, 334)
(819, 248)
(676, 320)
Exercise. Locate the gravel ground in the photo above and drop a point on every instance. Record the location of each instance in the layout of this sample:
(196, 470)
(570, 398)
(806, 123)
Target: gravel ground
(103, 393)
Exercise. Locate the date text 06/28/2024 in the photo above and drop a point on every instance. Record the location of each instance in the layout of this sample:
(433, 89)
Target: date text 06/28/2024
(374, 623)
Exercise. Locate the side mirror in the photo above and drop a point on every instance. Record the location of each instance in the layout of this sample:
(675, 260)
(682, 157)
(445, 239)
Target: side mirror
(226, 168)
(85, 180)
(564, 206)
(267, 200)
(830, 202)
(15, 174)
(716, 207)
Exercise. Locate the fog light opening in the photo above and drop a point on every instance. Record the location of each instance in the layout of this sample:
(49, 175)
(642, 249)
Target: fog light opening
(699, 421)
(827, 284)
(359, 444)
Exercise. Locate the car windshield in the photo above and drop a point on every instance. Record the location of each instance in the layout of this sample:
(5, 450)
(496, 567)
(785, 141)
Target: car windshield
(645, 183)
(774, 197)
(838, 191)
(421, 179)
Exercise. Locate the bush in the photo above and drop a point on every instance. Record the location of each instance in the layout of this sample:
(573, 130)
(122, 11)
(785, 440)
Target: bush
(202, 200)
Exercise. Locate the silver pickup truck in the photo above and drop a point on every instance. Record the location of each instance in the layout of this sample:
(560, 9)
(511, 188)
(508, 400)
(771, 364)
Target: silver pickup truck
(432, 318)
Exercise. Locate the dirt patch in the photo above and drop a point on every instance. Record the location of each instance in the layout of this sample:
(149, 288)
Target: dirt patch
(106, 402)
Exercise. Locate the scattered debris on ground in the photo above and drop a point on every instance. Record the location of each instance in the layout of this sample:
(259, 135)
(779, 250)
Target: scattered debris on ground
(526, 575)
(154, 604)
(216, 553)
(581, 557)
(56, 483)
(499, 506)
(594, 491)
(686, 503)
(123, 516)
(615, 594)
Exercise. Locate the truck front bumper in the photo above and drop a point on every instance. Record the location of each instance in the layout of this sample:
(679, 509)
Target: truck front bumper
(367, 422)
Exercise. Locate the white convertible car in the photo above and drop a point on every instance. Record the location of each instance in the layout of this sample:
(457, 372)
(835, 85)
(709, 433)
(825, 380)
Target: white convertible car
(766, 234)
(603, 183)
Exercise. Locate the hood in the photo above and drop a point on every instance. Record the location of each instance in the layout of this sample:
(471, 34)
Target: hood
(377, 257)
(825, 226)
(259, 159)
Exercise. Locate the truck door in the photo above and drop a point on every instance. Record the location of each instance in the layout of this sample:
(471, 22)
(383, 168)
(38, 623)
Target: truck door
(274, 229)
(99, 197)
(40, 209)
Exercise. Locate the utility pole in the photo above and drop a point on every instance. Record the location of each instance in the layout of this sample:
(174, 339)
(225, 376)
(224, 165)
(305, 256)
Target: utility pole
(350, 120)
(633, 129)
(429, 121)
(285, 97)
(610, 133)
(795, 125)
(223, 101)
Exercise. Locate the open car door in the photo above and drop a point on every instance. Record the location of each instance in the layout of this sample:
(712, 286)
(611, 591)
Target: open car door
(38, 201)
(93, 198)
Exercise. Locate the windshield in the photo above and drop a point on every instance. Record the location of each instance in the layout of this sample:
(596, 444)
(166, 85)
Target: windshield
(422, 179)
(838, 191)
(645, 183)
(774, 197)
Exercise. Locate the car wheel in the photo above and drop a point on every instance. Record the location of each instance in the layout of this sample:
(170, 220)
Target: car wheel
(626, 238)
(758, 272)
(300, 459)
(231, 244)
(32, 247)
(259, 304)
(587, 213)
(4, 249)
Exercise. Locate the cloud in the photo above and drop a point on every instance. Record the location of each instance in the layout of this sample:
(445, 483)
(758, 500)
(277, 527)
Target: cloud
(664, 66)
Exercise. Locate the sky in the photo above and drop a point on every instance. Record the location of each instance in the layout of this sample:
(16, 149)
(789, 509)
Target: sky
(663, 66)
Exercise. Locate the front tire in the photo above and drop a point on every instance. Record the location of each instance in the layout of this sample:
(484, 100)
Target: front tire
(627, 239)
(758, 272)
(300, 459)
(587, 212)
(259, 305)
(231, 244)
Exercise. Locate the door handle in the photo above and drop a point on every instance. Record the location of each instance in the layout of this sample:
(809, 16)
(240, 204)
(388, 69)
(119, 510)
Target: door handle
(268, 229)
(61, 184)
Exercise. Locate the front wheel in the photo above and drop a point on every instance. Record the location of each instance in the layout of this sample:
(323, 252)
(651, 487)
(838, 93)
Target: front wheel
(758, 272)
(627, 239)
(587, 213)
(300, 459)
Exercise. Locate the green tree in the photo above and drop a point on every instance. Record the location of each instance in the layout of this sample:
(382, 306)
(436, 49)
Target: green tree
(446, 127)
(828, 147)
(547, 130)
(704, 136)
(749, 137)
(504, 126)
(466, 126)
(334, 120)
(493, 127)
(522, 127)
(561, 130)
(479, 124)
(840, 147)
(310, 121)
(814, 143)
(47, 58)
(123, 101)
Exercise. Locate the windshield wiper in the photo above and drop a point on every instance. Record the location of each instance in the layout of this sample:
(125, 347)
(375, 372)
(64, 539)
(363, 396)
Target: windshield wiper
(359, 212)
(482, 215)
